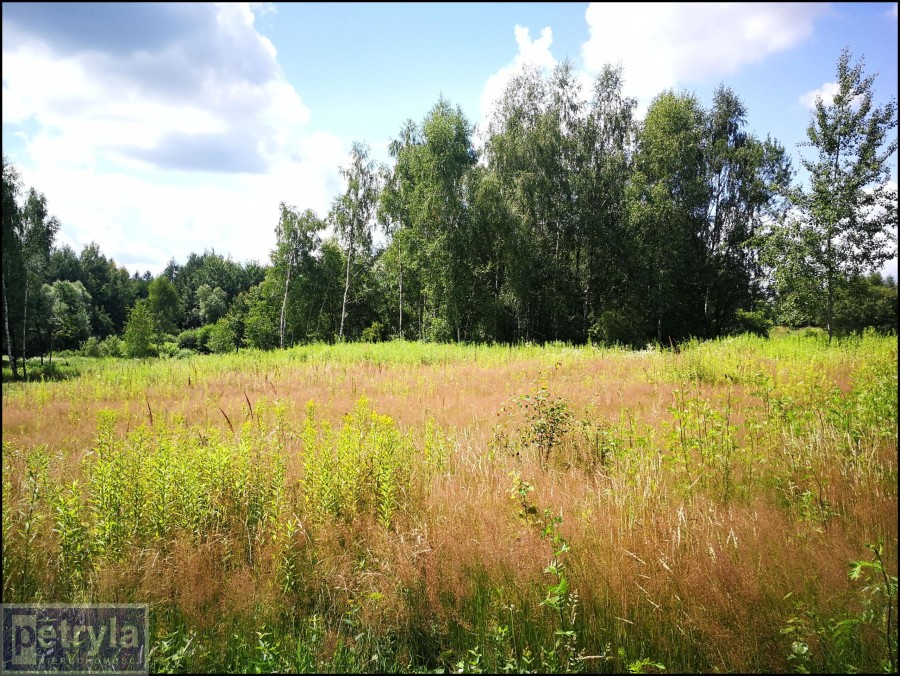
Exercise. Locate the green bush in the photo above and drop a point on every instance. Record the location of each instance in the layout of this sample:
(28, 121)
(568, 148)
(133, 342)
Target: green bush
(865, 302)
(187, 340)
(438, 331)
(755, 322)
(139, 330)
(618, 327)
(221, 337)
(203, 334)
(373, 334)
(112, 346)
(91, 348)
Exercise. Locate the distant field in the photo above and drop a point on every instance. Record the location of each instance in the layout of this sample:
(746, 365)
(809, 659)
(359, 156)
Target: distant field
(414, 507)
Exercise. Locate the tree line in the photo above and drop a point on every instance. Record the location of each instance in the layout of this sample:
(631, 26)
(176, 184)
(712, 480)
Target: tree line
(571, 220)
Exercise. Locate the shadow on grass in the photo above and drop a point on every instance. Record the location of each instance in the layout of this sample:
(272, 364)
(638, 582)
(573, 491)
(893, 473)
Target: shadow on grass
(59, 370)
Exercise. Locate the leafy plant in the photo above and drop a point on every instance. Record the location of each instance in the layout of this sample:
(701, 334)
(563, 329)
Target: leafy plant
(881, 599)
(547, 417)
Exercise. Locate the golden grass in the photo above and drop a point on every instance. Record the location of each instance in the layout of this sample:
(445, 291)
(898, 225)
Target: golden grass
(699, 564)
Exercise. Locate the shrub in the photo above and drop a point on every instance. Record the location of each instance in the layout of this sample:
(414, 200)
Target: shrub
(618, 327)
(187, 340)
(203, 334)
(112, 346)
(221, 337)
(438, 331)
(91, 348)
(139, 330)
(373, 334)
(755, 322)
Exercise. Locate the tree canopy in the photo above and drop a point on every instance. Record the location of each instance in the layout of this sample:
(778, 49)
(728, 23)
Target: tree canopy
(569, 220)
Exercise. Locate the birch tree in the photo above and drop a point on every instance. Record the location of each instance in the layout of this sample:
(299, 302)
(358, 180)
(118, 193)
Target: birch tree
(848, 215)
(353, 213)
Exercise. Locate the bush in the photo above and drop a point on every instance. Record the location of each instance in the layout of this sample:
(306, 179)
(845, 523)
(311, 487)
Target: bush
(221, 336)
(863, 303)
(203, 334)
(438, 331)
(112, 346)
(139, 330)
(187, 340)
(618, 327)
(91, 348)
(168, 349)
(373, 334)
(755, 322)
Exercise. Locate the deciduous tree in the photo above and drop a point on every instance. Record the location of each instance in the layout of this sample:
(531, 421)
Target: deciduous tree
(848, 214)
(353, 213)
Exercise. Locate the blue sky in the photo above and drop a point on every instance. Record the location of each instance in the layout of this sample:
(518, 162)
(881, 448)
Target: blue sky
(157, 130)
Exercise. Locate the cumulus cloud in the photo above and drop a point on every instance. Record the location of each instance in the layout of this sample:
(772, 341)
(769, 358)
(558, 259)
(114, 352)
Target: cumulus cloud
(531, 52)
(666, 45)
(826, 92)
(160, 128)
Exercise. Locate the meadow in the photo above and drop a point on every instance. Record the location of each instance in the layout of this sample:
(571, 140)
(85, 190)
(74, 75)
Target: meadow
(727, 507)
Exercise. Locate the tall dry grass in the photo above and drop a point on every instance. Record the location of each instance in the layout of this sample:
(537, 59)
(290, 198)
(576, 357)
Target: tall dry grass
(470, 508)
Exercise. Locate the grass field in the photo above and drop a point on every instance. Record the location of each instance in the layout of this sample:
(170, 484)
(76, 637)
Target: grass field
(730, 507)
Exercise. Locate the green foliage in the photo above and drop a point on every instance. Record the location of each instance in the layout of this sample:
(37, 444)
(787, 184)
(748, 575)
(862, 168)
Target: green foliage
(702, 440)
(187, 339)
(168, 349)
(139, 331)
(837, 643)
(90, 347)
(755, 322)
(558, 596)
(75, 548)
(548, 418)
(865, 302)
(373, 333)
(578, 224)
(845, 220)
(261, 322)
(211, 304)
(203, 335)
(619, 327)
(221, 337)
(70, 319)
(112, 346)
(297, 237)
(362, 469)
(881, 600)
(353, 213)
(164, 304)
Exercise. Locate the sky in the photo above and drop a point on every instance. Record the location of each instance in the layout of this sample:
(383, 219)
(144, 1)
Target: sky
(157, 130)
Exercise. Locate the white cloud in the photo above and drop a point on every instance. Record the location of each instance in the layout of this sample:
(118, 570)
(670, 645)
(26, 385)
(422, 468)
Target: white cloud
(264, 8)
(826, 92)
(666, 45)
(185, 138)
(531, 53)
